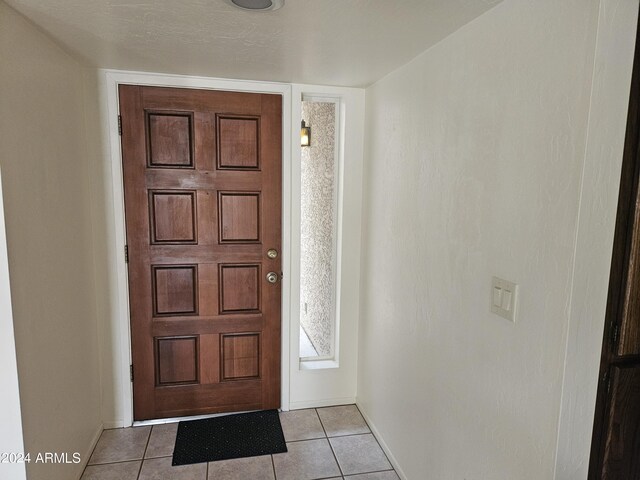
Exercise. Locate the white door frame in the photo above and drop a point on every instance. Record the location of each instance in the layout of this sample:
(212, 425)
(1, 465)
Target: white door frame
(110, 79)
(331, 382)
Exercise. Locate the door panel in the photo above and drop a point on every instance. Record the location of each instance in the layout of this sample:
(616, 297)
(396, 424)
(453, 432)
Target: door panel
(623, 442)
(630, 321)
(202, 174)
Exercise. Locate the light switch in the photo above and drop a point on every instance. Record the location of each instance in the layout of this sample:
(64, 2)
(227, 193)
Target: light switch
(504, 298)
(497, 296)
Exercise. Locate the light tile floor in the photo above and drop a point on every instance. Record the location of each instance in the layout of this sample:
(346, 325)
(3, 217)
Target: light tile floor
(332, 443)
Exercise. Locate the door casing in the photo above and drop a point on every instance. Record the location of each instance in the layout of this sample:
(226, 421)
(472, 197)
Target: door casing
(320, 387)
(110, 117)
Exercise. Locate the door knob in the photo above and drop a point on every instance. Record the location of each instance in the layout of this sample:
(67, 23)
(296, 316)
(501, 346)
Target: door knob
(272, 277)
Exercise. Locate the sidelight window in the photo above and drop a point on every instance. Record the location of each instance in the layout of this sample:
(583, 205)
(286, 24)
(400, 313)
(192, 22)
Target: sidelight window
(319, 228)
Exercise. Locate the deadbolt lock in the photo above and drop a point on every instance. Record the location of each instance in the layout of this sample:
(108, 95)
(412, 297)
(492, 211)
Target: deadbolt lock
(272, 253)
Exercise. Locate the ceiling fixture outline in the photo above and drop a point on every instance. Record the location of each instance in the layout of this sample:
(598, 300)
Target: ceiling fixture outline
(256, 5)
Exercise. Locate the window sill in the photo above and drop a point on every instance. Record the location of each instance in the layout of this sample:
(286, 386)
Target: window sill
(311, 364)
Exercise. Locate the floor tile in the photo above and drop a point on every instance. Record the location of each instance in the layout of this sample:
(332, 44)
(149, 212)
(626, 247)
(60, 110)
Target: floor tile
(161, 469)
(301, 425)
(120, 445)
(306, 460)
(162, 440)
(390, 475)
(342, 420)
(112, 471)
(254, 468)
(359, 454)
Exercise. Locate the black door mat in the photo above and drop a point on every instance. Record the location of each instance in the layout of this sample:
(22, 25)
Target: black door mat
(231, 436)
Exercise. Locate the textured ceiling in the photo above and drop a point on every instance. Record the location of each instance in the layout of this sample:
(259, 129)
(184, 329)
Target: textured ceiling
(332, 42)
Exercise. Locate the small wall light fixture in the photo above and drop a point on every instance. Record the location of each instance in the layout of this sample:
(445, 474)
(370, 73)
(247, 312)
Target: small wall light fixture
(305, 135)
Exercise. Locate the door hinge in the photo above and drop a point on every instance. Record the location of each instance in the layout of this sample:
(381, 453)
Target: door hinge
(126, 254)
(131, 372)
(615, 333)
(606, 379)
(120, 125)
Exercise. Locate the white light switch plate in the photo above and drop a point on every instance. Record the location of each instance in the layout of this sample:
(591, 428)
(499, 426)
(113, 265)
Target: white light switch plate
(504, 298)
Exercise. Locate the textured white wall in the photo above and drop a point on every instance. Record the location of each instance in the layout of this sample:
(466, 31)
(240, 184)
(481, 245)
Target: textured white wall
(43, 154)
(474, 158)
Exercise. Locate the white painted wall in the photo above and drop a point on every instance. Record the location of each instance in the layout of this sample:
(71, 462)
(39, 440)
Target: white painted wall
(43, 156)
(113, 344)
(475, 153)
(11, 440)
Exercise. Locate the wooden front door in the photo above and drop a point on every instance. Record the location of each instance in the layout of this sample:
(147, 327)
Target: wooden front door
(615, 451)
(202, 183)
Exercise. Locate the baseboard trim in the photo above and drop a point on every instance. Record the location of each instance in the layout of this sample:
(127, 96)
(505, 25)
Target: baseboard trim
(114, 424)
(92, 445)
(383, 444)
(329, 402)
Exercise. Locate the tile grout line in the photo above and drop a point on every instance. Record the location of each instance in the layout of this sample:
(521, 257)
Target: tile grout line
(145, 452)
(376, 438)
(333, 436)
(273, 466)
(116, 462)
(321, 424)
(91, 455)
(131, 460)
(329, 442)
(334, 456)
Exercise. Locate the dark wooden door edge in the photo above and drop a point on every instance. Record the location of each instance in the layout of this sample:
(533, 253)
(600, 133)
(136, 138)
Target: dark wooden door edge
(619, 266)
